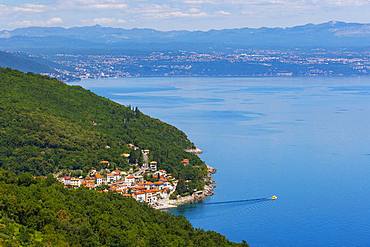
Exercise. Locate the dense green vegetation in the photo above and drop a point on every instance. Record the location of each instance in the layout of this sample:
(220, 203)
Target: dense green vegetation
(40, 212)
(46, 125)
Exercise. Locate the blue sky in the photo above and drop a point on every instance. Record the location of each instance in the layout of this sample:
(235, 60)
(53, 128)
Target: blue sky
(179, 14)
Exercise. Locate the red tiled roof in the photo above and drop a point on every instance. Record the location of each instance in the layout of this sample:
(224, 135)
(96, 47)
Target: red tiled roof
(117, 172)
(139, 188)
(151, 191)
(139, 193)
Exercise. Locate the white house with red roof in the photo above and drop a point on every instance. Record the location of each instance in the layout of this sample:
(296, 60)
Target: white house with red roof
(130, 179)
(66, 180)
(99, 179)
(139, 196)
(114, 176)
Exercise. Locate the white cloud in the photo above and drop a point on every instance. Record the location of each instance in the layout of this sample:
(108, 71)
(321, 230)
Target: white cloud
(165, 11)
(184, 14)
(93, 4)
(54, 21)
(200, 2)
(109, 5)
(104, 21)
(22, 8)
(222, 13)
(30, 8)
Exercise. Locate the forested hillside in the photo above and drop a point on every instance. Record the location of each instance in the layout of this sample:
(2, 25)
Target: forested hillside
(40, 212)
(46, 126)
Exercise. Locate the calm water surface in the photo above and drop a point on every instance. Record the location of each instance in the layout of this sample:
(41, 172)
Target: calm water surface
(305, 140)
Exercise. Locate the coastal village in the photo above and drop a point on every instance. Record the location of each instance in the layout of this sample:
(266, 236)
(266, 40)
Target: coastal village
(145, 183)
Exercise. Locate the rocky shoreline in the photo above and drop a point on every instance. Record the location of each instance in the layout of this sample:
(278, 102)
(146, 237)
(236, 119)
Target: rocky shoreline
(195, 197)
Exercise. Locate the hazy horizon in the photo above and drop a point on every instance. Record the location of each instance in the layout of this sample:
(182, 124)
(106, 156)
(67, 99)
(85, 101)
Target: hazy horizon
(195, 30)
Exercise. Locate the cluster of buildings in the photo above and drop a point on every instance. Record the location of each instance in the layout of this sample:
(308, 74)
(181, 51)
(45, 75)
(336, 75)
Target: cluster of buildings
(148, 184)
(145, 183)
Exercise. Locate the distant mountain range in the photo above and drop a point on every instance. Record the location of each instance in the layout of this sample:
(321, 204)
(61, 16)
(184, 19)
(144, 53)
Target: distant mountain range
(330, 35)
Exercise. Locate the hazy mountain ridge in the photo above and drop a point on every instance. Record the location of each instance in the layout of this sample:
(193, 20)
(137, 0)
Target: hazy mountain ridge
(325, 35)
(35, 64)
(24, 63)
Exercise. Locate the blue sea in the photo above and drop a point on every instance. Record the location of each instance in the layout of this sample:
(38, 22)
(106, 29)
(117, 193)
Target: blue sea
(306, 140)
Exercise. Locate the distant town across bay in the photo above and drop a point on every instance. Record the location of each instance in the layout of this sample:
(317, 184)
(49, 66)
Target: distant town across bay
(332, 49)
(239, 63)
